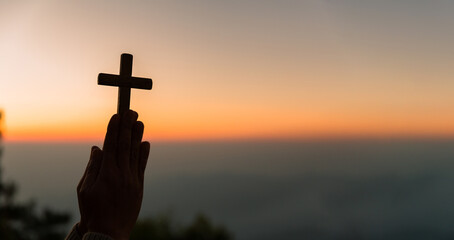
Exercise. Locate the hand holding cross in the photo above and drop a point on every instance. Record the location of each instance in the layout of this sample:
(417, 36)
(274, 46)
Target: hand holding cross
(125, 82)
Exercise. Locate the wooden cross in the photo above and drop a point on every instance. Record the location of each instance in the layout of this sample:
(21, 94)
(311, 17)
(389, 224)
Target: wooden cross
(124, 82)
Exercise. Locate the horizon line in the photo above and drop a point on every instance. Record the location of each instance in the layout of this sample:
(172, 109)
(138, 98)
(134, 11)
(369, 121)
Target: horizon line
(351, 137)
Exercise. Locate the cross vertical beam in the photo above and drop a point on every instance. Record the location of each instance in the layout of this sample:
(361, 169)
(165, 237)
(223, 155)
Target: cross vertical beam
(124, 93)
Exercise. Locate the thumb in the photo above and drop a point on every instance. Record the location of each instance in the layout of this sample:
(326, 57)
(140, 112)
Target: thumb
(86, 168)
(93, 167)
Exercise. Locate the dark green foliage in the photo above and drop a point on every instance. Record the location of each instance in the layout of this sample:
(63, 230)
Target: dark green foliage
(154, 228)
(20, 221)
(203, 229)
(163, 228)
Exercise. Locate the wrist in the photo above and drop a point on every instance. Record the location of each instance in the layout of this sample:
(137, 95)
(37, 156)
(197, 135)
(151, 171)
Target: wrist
(96, 236)
(81, 229)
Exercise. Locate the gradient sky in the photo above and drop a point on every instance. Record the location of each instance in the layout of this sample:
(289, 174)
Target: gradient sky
(230, 69)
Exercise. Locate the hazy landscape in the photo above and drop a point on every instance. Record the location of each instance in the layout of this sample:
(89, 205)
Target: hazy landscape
(368, 189)
(313, 69)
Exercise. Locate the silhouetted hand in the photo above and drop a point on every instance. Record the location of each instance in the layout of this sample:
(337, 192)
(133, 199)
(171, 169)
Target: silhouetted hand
(111, 189)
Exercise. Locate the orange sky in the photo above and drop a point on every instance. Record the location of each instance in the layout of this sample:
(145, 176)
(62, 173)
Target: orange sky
(230, 70)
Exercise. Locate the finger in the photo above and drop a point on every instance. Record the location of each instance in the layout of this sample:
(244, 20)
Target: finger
(111, 142)
(136, 139)
(86, 168)
(143, 159)
(93, 169)
(124, 139)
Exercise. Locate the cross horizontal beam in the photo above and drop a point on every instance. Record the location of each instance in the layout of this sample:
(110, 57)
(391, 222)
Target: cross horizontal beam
(124, 81)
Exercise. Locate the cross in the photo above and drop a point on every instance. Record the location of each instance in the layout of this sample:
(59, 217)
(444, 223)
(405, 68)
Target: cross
(124, 82)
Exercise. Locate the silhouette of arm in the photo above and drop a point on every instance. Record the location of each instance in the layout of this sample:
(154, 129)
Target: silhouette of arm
(111, 189)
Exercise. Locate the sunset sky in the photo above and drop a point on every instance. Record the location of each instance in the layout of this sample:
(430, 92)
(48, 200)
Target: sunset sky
(230, 69)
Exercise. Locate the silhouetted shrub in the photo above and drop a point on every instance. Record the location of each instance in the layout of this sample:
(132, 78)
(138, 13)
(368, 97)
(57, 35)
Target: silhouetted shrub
(162, 227)
(20, 221)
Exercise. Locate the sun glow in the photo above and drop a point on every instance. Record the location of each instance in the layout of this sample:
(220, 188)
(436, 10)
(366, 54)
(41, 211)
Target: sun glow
(269, 72)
